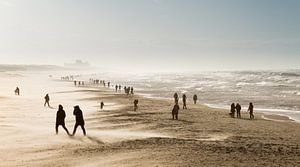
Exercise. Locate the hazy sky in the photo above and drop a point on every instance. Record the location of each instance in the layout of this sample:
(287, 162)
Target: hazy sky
(152, 34)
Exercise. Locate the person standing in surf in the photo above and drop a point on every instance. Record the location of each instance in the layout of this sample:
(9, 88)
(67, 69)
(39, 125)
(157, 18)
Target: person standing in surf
(250, 109)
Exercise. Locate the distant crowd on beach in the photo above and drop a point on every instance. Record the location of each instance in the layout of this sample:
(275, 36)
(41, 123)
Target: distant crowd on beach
(128, 90)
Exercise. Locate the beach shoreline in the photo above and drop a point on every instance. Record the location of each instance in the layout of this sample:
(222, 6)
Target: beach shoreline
(120, 136)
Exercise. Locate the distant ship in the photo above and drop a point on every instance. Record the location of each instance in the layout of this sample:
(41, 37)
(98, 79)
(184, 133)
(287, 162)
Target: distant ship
(77, 64)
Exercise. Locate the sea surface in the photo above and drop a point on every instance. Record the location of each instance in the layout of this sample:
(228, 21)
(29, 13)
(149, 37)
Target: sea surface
(270, 91)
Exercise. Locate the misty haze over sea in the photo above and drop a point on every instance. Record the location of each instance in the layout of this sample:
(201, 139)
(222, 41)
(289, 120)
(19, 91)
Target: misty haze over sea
(276, 91)
(271, 91)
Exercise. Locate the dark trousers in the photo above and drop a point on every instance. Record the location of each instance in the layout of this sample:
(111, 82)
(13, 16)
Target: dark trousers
(251, 115)
(47, 102)
(64, 126)
(82, 127)
(175, 114)
(238, 114)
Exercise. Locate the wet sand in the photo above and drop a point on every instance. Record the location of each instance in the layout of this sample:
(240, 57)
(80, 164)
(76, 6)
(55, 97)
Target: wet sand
(118, 136)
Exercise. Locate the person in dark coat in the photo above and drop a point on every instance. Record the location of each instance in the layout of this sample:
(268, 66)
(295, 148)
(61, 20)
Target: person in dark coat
(238, 110)
(250, 109)
(175, 111)
(184, 101)
(79, 120)
(17, 91)
(175, 98)
(60, 119)
(101, 105)
(195, 98)
(135, 104)
(232, 110)
(131, 90)
(47, 99)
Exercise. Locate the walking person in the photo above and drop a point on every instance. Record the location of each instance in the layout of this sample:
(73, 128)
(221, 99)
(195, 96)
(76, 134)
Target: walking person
(17, 91)
(250, 109)
(238, 110)
(184, 101)
(175, 111)
(195, 98)
(232, 110)
(101, 105)
(176, 98)
(79, 120)
(47, 100)
(135, 103)
(60, 119)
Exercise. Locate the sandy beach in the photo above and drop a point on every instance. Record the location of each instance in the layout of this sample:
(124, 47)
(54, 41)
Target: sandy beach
(118, 136)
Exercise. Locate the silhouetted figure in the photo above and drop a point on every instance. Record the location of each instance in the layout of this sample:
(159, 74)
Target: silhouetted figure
(79, 83)
(184, 101)
(17, 91)
(120, 87)
(60, 119)
(135, 103)
(195, 98)
(176, 98)
(232, 110)
(101, 105)
(175, 111)
(47, 100)
(82, 83)
(131, 90)
(238, 110)
(108, 84)
(79, 120)
(116, 88)
(75, 83)
(250, 109)
(125, 89)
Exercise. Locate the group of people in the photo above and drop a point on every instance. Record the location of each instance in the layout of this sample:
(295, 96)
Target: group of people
(60, 120)
(176, 107)
(128, 90)
(79, 83)
(237, 109)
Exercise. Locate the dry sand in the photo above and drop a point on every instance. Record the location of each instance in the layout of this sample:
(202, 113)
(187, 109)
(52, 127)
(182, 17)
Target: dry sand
(118, 136)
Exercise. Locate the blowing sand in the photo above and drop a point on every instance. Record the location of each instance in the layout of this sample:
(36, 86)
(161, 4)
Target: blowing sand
(118, 136)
